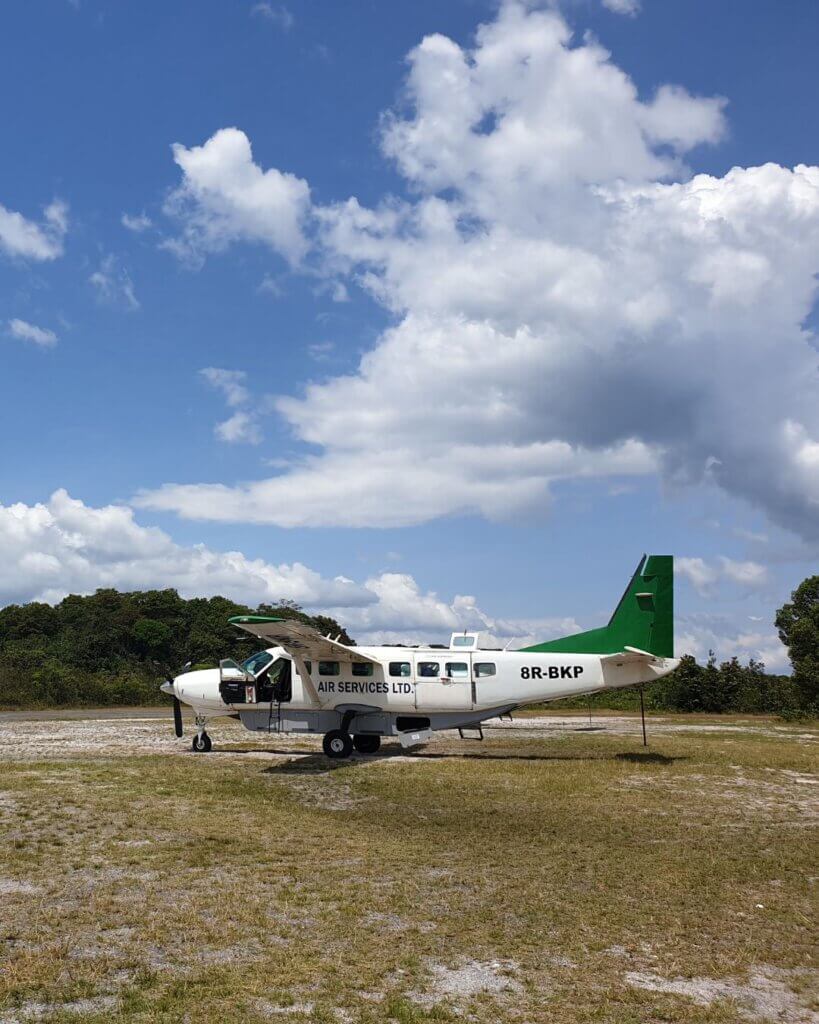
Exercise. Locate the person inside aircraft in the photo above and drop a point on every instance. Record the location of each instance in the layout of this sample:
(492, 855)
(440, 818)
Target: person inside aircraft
(429, 669)
(256, 663)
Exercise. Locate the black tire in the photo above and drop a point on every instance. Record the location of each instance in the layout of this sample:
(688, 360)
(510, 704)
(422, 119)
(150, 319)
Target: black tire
(366, 744)
(337, 744)
(201, 744)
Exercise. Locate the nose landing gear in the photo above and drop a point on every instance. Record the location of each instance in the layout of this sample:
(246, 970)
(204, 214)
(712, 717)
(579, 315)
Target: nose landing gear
(201, 741)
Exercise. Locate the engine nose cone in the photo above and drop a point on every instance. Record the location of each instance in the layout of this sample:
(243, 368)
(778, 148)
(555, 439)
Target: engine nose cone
(167, 687)
(200, 687)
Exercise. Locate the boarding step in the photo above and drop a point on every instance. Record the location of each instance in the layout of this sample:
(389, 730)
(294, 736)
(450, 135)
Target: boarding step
(471, 728)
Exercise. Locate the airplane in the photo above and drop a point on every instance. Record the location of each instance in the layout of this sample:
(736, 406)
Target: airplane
(306, 683)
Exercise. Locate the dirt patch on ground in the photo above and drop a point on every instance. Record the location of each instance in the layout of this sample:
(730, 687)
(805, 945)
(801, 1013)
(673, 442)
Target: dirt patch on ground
(29, 1012)
(469, 979)
(789, 797)
(627, 725)
(11, 887)
(322, 791)
(44, 736)
(765, 996)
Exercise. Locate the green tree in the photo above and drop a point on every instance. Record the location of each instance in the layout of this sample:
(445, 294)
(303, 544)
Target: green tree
(798, 625)
(153, 638)
(679, 691)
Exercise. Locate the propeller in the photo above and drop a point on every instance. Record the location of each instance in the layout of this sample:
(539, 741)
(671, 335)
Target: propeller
(177, 717)
(167, 687)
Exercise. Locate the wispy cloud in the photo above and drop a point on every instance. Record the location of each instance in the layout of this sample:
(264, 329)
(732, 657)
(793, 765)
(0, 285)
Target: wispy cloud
(704, 576)
(631, 7)
(271, 286)
(321, 351)
(751, 535)
(139, 223)
(277, 14)
(113, 284)
(41, 336)
(243, 425)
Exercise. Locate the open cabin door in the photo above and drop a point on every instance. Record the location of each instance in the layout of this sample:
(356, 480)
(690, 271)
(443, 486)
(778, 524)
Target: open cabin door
(273, 684)
(443, 681)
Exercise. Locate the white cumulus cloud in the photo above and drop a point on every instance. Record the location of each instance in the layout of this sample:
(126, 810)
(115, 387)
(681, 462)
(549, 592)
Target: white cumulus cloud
(28, 240)
(568, 298)
(225, 197)
(64, 546)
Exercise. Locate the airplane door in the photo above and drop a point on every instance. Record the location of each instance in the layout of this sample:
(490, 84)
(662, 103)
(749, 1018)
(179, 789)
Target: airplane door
(443, 681)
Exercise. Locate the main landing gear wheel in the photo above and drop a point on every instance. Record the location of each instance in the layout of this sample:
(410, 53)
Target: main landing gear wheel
(337, 744)
(201, 743)
(365, 744)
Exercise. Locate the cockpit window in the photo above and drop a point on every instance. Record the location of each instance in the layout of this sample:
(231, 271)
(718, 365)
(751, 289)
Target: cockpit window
(257, 662)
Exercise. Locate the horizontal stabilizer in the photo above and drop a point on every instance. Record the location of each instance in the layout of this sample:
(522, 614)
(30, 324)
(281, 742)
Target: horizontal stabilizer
(631, 656)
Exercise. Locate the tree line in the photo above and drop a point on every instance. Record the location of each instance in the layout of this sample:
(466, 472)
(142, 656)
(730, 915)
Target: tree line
(713, 688)
(111, 648)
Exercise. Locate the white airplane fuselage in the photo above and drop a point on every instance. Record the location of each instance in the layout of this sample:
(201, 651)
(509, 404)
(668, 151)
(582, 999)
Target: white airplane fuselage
(407, 690)
(359, 694)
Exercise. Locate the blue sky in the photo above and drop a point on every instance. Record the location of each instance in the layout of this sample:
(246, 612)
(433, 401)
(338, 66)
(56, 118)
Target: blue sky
(531, 484)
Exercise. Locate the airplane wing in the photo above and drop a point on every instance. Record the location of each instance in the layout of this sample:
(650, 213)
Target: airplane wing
(297, 638)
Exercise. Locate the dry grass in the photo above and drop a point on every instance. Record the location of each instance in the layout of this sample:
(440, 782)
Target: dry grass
(563, 878)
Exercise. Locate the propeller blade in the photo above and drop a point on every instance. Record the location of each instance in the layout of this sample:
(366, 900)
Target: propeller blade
(177, 717)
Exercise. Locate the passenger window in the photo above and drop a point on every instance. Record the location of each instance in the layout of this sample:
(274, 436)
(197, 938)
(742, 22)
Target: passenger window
(457, 669)
(328, 668)
(429, 669)
(484, 668)
(362, 668)
(309, 666)
(399, 668)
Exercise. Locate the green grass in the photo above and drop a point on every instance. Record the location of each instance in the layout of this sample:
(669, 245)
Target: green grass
(230, 888)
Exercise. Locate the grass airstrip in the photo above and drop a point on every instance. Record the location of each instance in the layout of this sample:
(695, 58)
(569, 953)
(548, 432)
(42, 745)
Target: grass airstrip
(544, 875)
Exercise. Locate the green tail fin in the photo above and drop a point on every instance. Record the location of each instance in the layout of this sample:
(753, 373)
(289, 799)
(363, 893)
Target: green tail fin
(644, 618)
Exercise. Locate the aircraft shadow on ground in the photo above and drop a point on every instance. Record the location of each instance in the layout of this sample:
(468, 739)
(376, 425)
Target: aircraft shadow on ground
(647, 757)
(307, 763)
